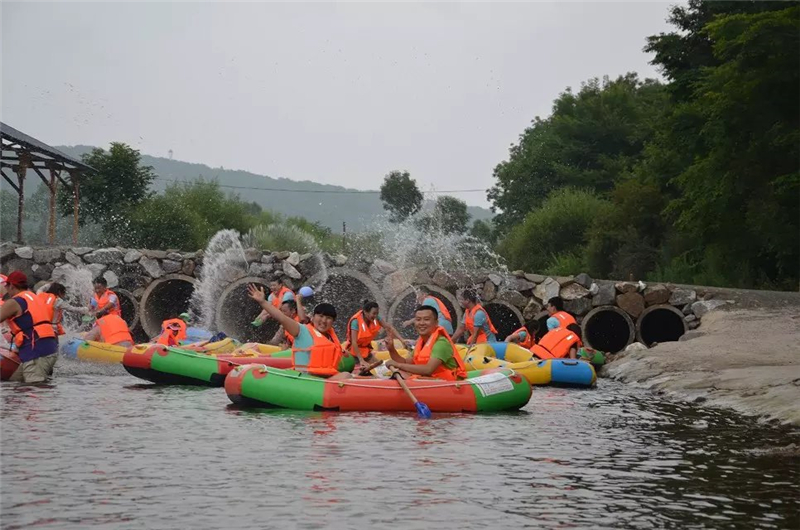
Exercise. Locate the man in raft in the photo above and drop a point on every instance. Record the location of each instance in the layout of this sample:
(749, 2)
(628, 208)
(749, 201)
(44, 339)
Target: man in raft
(555, 307)
(526, 335)
(33, 336)
(316, 349)
(173, 330)
(559, 343)
(111, 329)
(435, 355)
(293, 309)
(476, 321)
(362, 329)
(425, 297)
(279, 294)
(105, 301)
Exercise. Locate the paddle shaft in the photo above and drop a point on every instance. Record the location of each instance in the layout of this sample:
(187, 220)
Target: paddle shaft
(403, 385)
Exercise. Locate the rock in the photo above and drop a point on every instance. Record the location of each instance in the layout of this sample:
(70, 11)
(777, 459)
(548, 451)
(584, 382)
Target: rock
(690, 318)
(687, 309)
(563, 281)
(518, 284)
(489, 291)
(656, 294)
(252, 254)
(104, 256)
(73, 259)
(293, 259)
(682, 297)
(606, 295)
(535, 278)
(174, 256)
(290, 271)
(133, 282)
(138, 293)
(689, 335)
(496, 279)
(46, 255)
(189, 255)
(578, 306)
(626, 287)
(397, 282)
(268, 258)
(693, 325)
(6, 251)
(532, 309)
(188, 267)
(151, 267)
(305, 256)
(511, 297)
(80, 251)
(375, 273)
(111, 278)
(635, 346)
(594, 289)
(421, 277)
(283, 254)
(311, 266)
(384, 266)
(574, 291)
(261, 270)
(700, 309)
(278, 274)
(61, 272)
(43, 271)
(584, 280)
(519, 274)
(96, 269)
(441, 278)
(24, 252)
(132, 256)
(631, 303)
(154, 254)
(340, 260)
(546, 290)
(170, 266)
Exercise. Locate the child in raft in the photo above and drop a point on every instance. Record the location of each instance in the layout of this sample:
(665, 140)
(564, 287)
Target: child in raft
(362, 329)
(317, 349)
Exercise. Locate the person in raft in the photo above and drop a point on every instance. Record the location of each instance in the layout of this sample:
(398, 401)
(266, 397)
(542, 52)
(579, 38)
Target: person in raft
(526, 335)
(173, 330)
(111, 329)
(316, 349)
(53, 297)
(105, 301)
(435, 355)
(32, 333)
(559, 342)
(476, 321)
(555, 307)
(293, 310)
(362, 329)
(279, 294)
(425, 297)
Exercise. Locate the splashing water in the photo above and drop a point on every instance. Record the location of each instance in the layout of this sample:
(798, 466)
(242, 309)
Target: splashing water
(223, 262)
(78, 283)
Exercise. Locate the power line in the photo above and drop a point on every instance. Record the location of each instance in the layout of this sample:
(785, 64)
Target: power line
(286, 190)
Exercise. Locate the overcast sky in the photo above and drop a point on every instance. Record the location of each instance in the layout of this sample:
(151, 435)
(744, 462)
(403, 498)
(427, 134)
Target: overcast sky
(335, 93)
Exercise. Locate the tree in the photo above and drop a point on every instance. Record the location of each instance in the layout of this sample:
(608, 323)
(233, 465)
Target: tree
(483, 231)
(400, 196)
(449, 216)
(118, 183)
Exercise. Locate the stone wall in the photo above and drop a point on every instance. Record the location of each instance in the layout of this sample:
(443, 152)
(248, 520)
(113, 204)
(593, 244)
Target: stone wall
(157, 284)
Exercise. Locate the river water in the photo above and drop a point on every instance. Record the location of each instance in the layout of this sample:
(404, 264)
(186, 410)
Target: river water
(97, 449)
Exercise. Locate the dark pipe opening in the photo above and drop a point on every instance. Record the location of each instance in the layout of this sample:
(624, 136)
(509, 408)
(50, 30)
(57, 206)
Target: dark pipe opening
(164, 299)
(235, 312)
(403, 309)
(347, 293)
(542, 319)
(607, 329)
(661, 324)
(129, 307)
(505, 320)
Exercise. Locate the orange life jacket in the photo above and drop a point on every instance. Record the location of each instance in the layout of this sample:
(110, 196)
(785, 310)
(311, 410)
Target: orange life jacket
(528, 341)
(167, 338)
(323, 357)
(102, 301)
(556, 344)
(56, 315)
(42, 325)
(366, 332)
(277, 299)
(288, 336)
(113, 329)
(564, 319)
(469, 322)
(442, 308)
(181, 333)
(422, 354)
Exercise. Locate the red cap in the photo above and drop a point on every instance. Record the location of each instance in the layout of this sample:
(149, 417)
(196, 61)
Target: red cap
(17, 279)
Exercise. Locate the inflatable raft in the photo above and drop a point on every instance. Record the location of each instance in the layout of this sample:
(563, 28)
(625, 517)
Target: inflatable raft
(9, 362)
(483, 391)
(556, 372)
(173, 366)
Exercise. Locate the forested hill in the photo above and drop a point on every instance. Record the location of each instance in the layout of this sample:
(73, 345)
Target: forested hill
(314, 201)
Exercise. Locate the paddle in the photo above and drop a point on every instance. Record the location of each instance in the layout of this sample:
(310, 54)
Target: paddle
(422, 409)
(367, 369)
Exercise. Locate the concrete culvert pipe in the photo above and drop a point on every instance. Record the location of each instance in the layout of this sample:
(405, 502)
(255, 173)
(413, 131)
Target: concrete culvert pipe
(129, 307)
(505, 317)
(166, 297)
(403, 307)
(608, 329)
(660, 323)
(346, 289)
(236, 310)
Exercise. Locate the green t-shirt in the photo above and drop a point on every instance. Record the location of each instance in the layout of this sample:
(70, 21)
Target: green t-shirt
(442, 350)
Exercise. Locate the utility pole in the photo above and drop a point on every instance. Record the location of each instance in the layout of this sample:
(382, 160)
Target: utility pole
(344, 237)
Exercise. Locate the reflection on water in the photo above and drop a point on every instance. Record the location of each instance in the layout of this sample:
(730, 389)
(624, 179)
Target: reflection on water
(104, 451)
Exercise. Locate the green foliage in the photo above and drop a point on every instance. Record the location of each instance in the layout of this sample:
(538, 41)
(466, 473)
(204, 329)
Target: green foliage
(484, 231)
(400, 196)
(281, 236)
(449, 216)
(557, 228)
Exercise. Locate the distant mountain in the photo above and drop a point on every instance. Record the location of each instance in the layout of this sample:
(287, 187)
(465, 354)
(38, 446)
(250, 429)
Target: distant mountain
(330, 209)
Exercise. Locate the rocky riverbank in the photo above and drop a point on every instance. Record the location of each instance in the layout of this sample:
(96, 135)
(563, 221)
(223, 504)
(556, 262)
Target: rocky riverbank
(747, 360)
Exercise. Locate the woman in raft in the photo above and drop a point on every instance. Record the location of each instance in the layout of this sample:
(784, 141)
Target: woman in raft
(526, 335)
(316, 349)
(476, 322)
(435, 355)
(362, 329)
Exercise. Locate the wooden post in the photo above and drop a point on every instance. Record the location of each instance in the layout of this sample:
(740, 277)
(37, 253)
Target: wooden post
(51, 225)
(73, 175)
(21, 170)
(344, 237)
